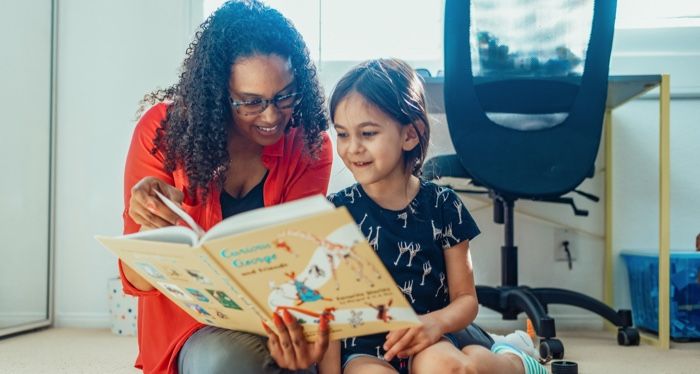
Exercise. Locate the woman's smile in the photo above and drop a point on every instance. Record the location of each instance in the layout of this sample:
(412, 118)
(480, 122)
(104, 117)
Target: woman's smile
(267, 130)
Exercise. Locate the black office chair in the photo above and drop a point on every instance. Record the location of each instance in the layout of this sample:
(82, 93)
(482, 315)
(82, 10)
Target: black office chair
(526, 126)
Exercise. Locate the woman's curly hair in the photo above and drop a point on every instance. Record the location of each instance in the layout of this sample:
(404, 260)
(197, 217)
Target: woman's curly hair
(195, 131)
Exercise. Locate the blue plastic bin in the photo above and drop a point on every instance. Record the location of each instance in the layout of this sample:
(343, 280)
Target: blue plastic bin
(643, 270)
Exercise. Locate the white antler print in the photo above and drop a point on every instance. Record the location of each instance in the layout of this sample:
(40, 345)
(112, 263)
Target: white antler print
(412, 251)
(441, 194)
(408, 289)
(442, 283)
(426, 270)
(403, 248)
(458, 205)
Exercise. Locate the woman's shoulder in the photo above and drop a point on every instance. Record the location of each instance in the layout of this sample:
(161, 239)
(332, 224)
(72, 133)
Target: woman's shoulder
(152, 118)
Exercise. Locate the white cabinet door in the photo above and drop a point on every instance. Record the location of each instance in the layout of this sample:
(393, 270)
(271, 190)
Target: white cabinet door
(26, 29)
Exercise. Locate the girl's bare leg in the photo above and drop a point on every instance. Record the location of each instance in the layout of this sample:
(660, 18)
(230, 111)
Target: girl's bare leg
(368, 365)
(444, 356)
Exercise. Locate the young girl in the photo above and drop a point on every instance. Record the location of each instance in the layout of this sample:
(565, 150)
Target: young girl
(420, 230)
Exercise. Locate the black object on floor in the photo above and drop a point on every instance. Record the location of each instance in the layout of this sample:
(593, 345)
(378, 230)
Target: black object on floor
(564, 367)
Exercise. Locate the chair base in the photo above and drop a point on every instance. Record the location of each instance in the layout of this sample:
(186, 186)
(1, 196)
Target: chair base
(511, 301)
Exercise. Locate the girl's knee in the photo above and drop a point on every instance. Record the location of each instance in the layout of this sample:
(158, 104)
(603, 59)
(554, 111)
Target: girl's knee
(448, 360)
(447, 364)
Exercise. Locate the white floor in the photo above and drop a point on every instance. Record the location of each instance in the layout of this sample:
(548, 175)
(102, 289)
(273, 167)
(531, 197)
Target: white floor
(99, 351)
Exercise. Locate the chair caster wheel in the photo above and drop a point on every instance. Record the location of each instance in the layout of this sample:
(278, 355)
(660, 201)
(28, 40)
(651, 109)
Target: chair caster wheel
(627, 336)
(551, 349)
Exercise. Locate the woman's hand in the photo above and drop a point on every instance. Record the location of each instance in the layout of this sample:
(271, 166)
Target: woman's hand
(146, 209)
(408, 342)
(290, 349)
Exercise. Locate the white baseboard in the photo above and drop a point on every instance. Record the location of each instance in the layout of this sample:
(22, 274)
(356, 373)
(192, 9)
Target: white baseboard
(19, 318)
(83, 320)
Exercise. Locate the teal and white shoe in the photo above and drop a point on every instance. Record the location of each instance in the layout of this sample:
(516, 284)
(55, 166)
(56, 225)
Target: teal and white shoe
(520, 340)
(532, 366)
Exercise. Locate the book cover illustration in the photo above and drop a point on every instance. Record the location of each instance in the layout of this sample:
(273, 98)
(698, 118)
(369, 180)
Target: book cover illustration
(318, 265)
(310, 262)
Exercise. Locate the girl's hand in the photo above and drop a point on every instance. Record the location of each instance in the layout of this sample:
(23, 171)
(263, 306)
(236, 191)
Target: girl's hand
(146, 209)
(290, 349)
(408, 342)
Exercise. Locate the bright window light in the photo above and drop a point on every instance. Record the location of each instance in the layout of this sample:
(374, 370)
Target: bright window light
(632, 14)
(341, 30)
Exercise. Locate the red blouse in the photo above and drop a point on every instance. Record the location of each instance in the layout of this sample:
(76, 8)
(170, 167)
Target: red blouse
(163, 327)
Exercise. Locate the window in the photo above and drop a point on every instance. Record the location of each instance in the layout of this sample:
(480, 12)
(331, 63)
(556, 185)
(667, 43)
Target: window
(653, 14)
(341, 30)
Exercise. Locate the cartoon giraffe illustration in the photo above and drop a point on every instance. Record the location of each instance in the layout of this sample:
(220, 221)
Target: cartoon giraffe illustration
(442, 283)
(404, 217)
(374, 242)
(426, 270)
(412, 251)
(382, 311)
(403, 248)
(458, 205)
(408, 290)
(437, 233)
(336, 253)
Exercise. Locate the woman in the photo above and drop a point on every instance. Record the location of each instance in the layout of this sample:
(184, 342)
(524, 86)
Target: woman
(244, 127)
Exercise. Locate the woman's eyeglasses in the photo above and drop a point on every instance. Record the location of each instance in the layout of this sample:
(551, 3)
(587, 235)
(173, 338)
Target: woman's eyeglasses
(257, 106)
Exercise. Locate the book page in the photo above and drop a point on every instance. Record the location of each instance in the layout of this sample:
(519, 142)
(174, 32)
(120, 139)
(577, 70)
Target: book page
(182, 214)
(190, 279)
(170, 234)
(319, 264)
(267, 216)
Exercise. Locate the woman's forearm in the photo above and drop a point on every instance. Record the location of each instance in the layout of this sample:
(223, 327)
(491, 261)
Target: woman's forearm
(330, 364)
(135, 279)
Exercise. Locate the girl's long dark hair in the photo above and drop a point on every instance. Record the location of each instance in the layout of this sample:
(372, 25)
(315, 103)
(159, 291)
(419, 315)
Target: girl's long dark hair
(195, 132)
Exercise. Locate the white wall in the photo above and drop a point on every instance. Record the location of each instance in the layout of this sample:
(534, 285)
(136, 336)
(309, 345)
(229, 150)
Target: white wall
(109, 54)
(106, 63)
(636, 142)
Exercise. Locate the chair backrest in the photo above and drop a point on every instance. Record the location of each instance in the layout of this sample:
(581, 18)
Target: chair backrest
(525, 113)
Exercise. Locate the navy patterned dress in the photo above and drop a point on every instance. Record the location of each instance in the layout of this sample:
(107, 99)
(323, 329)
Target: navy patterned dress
(410, 243)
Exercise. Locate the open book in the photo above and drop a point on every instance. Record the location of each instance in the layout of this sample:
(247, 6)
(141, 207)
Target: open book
(305, 256)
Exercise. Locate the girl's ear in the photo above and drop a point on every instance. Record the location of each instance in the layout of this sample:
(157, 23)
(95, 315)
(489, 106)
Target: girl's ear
(410, 135)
